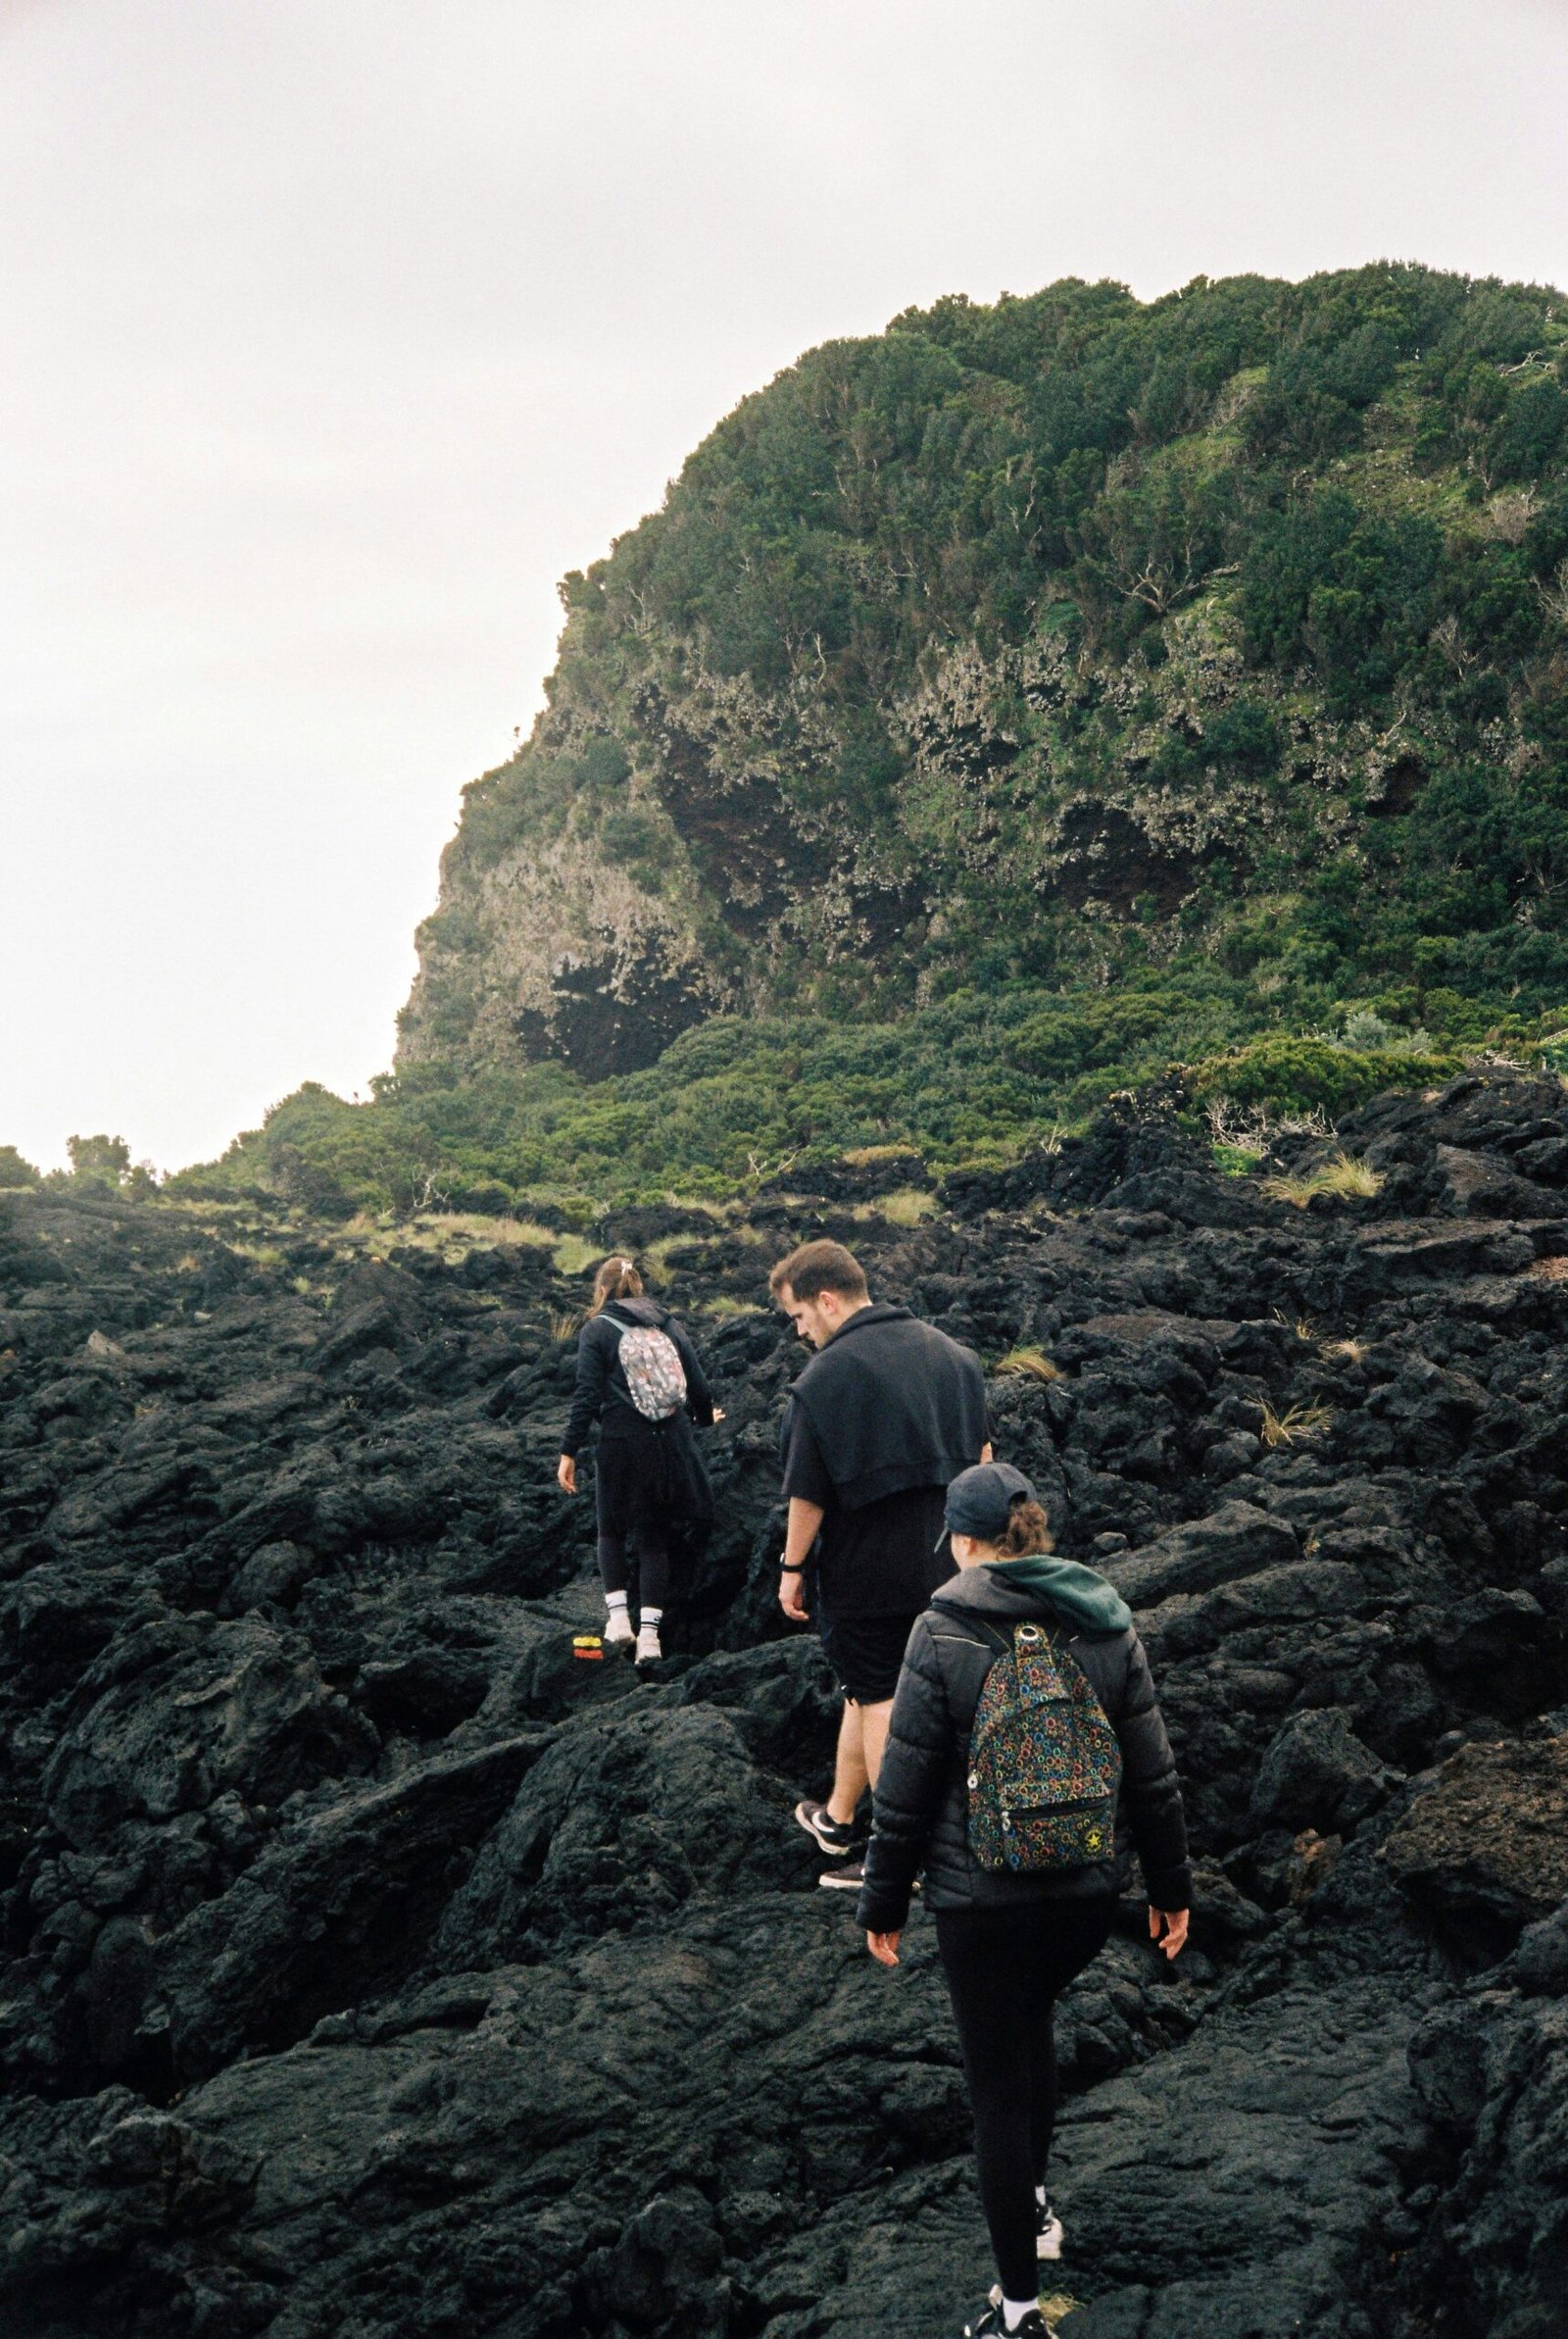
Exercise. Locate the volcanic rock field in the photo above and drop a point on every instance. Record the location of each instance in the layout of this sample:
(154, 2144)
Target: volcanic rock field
(375, 1967)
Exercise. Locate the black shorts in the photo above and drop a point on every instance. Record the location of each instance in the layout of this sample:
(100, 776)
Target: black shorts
(865, 1654)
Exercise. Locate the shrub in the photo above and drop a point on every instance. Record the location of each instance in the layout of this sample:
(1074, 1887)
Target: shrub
(1296, 1075)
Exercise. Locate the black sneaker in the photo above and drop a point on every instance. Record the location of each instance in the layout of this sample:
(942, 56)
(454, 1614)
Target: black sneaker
(993, 2323)
(848, 1878)
(833, 1836)
(1048, 2231)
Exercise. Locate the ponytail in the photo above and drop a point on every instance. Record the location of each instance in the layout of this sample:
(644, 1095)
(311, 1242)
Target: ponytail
(1028, 1529)
(616, 1279)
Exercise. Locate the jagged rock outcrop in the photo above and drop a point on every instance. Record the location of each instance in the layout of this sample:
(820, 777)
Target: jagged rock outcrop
(1043, 637)
(377, 1966)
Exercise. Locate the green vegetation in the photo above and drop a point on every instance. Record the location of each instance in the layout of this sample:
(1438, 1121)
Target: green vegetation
(1138, 687)
(739, 1102)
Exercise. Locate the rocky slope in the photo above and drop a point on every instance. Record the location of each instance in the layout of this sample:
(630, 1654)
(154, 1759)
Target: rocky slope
(377, 1967)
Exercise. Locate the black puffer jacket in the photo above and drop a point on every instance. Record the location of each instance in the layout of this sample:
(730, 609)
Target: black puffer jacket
(922, 1792)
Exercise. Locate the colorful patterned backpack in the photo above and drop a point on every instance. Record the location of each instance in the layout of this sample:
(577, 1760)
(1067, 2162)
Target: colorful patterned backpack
(1045, 1765)
(655, 1374)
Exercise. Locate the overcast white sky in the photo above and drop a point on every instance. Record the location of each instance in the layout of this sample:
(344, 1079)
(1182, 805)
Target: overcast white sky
(333, 332)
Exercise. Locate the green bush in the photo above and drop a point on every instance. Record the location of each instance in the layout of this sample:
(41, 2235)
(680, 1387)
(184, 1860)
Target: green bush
(1292, 1074)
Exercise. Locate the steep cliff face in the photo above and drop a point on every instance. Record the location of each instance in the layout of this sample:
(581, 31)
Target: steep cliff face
(979, 648)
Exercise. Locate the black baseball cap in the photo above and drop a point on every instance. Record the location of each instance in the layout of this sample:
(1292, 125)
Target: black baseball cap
(980, 1500)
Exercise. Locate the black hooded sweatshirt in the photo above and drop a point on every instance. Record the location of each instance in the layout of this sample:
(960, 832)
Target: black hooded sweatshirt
(601, 1394)
(879, 1422)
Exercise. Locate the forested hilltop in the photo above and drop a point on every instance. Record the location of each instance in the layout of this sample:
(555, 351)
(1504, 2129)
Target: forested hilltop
(1003, 709)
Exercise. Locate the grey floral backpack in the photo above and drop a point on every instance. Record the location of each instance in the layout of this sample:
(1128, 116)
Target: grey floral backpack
(1045, 1764)
(655, 1374)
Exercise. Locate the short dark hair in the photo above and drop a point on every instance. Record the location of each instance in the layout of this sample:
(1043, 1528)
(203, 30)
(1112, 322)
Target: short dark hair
(815, 1268)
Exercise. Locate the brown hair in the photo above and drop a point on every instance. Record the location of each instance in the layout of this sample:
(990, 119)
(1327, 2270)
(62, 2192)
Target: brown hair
(616, 1279)
(1028, 1529)
(820, 1266)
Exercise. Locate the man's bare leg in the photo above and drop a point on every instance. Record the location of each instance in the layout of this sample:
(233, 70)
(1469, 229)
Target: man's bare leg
(874, 1721)
(849, 1776)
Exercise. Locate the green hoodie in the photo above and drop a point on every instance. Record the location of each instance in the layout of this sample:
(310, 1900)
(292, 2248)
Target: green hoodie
(1080, 1593)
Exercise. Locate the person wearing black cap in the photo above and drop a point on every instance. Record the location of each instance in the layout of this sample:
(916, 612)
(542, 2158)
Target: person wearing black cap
(1012, 1936)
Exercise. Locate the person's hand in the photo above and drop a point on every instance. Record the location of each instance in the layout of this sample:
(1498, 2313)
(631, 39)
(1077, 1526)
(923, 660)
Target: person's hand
(884, 1947)
(718, 1413)
(792, 1595)
(566, 1473)
(1173, 1924)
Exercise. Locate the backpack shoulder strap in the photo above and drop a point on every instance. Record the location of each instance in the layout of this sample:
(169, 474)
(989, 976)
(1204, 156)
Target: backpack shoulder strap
(1000, 1641)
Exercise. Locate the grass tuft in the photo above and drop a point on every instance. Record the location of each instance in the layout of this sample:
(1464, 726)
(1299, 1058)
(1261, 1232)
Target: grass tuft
(905, 1208)
(867, 1157)
(573, 1255)
(259, 1254)
(1026, 1363)
(1344, 1352)
(1295, 1423)
(1343, 1174)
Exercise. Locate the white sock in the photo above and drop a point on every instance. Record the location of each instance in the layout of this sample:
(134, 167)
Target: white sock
(654, 1616)
(614, 1600)
(1039, 2195)
(1013, 2311)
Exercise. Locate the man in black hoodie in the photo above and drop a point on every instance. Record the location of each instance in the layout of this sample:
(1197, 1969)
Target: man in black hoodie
(883, 1417)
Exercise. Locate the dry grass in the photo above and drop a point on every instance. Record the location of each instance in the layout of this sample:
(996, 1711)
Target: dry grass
(1344, 1352)
(1058, 2307)
(1341, 1174)
(449, 1234)
(869, 1156)
(656, 1257)
(907, 1206)
(1551, 1271)
(725, 1306)
(1298, 1191)
(573, 1255)
(489, 1233)
(565, 1323)
(699, 1205)
(259, 1254)
(1026, 1363)
(1295, 1423)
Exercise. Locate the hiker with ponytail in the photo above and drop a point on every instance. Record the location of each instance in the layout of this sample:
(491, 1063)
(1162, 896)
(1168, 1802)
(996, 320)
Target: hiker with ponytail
(1026, 1759)
(640, 1379)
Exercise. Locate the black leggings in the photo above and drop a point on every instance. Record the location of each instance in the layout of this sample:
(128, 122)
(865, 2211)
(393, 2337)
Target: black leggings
(1005, 1969)
(645, 1547)
(631, 1533)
